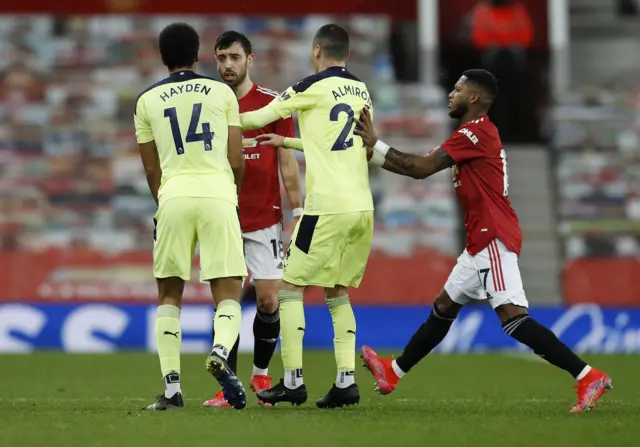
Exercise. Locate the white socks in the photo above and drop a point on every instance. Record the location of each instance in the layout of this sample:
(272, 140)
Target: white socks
(345, 378)
(260, 372)
(584, 373)
(172, 384)
(293, 378)
(396, 369)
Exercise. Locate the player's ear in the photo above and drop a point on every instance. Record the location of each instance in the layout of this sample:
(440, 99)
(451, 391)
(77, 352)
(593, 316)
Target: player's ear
(250, 59)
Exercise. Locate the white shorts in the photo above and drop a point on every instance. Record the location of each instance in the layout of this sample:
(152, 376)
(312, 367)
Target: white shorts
(492, 274)
(264, 252)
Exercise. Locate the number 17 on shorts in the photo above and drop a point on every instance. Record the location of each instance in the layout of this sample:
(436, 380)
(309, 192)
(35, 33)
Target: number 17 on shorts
(492, 274)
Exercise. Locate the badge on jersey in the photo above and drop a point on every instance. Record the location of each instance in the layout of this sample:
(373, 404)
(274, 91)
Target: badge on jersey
(455, 174)
(249, 143)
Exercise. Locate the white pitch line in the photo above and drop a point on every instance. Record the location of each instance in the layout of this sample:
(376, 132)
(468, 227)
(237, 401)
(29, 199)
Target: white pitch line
(524, 355)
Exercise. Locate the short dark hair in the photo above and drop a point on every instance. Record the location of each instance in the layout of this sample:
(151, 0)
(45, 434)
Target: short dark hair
(228, 38)
(179, 45)
(334, 41)
(483, 79)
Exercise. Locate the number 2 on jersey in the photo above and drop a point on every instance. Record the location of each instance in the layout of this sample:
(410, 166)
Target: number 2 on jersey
(342, 143)
(206, 136)
(505, 173)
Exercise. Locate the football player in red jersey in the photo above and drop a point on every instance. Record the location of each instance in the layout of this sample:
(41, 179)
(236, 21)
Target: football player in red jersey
(259, 204)
(488, 267)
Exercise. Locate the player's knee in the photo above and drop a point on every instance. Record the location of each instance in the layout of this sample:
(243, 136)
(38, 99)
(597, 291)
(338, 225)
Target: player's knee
(445, 306)
(170, 291)
(509, 311)
(335, 292)
(267, 302)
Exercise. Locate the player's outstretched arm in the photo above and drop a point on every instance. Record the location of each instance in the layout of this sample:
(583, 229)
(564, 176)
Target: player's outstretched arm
(416, 166)
(258, 118)
(392, 160)
(151, 164)
(290, 101)
(389, 166)
(293, 143)
(235, 155)
(271, 139)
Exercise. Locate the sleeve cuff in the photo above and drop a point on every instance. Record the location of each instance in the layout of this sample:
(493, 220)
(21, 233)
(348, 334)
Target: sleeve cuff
(293, 143)
(145, 140)
(448, 151)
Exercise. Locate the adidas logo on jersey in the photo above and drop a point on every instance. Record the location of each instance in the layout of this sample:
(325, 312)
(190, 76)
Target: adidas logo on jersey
(469, 135)
(280, 266)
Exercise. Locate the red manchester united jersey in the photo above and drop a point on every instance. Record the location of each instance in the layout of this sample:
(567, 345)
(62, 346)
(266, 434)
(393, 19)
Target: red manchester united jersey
(259, 201)
(481, 180)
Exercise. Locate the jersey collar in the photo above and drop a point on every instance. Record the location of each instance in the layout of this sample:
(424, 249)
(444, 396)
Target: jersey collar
(475, 121)
(249, 93)
(183, 75)
(336, 69)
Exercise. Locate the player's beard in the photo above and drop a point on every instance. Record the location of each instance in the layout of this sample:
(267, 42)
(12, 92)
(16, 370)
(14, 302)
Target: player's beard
(459, 111)
(235, 81)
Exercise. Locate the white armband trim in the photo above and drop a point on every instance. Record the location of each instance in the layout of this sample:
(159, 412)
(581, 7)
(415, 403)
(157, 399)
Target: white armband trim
(377, 159)
(381, 147)
(297, 212)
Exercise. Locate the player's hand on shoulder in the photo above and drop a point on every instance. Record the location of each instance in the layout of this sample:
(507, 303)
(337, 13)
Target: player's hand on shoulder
(364, 129)
(271, 139)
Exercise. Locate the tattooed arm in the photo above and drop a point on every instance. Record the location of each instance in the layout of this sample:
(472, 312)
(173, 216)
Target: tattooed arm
(387, 165)
(391, 167)
(417, 166)
(410, 165)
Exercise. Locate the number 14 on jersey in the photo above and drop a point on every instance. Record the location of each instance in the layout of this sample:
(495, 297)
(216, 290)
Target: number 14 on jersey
(206, 136)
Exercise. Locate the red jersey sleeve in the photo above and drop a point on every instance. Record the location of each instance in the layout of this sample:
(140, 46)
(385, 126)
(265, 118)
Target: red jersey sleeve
(284, 127)
(463, 145)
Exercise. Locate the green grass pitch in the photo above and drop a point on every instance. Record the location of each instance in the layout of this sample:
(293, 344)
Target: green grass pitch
(56, 399)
